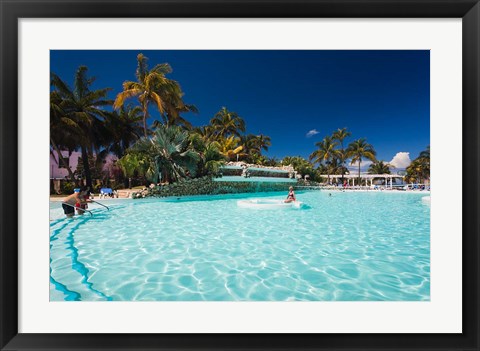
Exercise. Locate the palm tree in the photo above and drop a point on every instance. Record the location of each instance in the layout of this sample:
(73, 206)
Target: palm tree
(294, 161)
(379, 167)
(424, 158)
(300, 165)
(84, 107)
(227, 123)
(209, 151)
(248, 141)
(206, 133)
(340, 135)
(63, 132)
(359, 150)
(334, 166)
(147, 88)
(419, 169)
(254, 144)
(425, 153)
(168, 154)
(326, 151)
(230, 147)
(125, 128)
(130, 164)
(212, 159)
(174, 105)
(272, 161)
(262, 142)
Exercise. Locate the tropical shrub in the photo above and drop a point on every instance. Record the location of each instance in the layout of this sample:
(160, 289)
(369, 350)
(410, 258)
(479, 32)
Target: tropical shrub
(167, 155)
(67, 187)
(419, 170)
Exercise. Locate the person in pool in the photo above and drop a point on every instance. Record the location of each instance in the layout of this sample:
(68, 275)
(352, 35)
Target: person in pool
(291, 195)
(82, 205)
(76, 200)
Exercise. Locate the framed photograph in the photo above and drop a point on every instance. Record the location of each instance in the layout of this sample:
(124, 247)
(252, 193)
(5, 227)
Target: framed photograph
(239, 175)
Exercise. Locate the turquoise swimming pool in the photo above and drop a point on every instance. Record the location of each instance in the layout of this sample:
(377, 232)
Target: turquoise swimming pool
(350, 246)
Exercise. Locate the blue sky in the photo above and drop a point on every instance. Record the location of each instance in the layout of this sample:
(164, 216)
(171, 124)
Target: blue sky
(383, 96)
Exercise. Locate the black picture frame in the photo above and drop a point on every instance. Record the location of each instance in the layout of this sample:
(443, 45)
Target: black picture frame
(11, 11)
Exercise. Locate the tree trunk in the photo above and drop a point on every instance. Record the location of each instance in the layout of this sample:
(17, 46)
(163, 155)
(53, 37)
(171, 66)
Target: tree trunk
(86, 168)
(145, 123)
(60, 159)
(359, 181)
(342, 163)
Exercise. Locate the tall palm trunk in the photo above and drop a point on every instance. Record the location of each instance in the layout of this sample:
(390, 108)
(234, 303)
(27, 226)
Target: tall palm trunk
(343, 162)
(86, 167)
(61, 160)
(145, 115)
(359, 180)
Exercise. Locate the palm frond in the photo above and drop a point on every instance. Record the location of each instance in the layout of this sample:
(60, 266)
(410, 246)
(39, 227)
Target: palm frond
(129, 85)
(81, 82)
(162, 68)
(61, 86)
(142, 67)
(124, 95)
(158, 101)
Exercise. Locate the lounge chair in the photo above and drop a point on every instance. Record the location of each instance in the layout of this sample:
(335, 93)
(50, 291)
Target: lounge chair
(104, 192)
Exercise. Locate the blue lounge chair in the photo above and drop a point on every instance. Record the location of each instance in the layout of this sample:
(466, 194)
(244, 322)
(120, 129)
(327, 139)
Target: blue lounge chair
(105, 192)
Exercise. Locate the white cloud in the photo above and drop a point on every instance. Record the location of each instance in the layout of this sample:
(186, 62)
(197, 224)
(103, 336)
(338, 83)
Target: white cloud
(312, 133)
(401, 160)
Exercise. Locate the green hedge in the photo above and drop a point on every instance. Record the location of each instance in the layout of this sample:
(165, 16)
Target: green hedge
(206, 186)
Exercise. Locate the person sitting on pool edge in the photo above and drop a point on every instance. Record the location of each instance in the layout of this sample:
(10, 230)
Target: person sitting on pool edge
(291, 195)
(70, 202)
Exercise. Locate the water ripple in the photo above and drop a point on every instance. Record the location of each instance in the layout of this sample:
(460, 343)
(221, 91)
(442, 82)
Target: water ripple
(349, 247)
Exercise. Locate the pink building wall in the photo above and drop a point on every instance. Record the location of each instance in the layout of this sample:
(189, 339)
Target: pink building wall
(58, 172)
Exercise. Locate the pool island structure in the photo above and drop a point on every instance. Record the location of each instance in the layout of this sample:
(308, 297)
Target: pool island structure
(290, 179)
(240, 177)
(233, 178)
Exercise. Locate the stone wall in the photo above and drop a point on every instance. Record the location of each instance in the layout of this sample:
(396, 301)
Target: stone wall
(231, 171)
(266, 173)
(206, 186)
(255, 172)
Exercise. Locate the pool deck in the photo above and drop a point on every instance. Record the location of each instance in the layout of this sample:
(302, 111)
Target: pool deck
(121, 196)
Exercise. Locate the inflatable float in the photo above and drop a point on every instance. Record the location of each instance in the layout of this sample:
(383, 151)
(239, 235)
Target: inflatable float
(268, 204)
(426, 200)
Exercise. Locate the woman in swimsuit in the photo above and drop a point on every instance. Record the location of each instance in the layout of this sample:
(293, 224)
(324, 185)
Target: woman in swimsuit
(291, 195)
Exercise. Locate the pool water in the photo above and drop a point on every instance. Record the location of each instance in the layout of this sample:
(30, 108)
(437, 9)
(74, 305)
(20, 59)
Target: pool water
(254, 179)
(350, 246)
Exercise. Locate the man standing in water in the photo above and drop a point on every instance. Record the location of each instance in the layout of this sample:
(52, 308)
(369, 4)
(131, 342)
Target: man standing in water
(75, 200)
